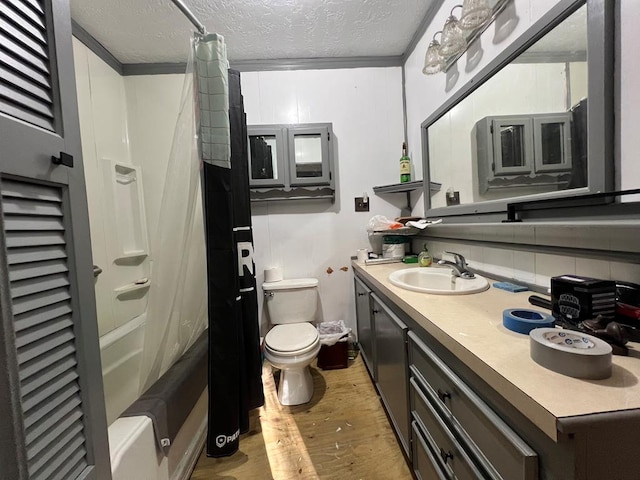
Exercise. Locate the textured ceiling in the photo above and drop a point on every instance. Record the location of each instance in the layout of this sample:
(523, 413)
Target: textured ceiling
(154, 31)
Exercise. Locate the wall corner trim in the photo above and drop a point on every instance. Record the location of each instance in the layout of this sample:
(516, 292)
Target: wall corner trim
(95, 46)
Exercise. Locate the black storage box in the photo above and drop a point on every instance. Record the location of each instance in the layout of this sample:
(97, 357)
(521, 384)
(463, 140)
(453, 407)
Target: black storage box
(334, 356)
(575, 298)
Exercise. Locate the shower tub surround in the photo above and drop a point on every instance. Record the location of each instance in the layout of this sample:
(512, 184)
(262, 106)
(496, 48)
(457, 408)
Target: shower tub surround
(575, 426)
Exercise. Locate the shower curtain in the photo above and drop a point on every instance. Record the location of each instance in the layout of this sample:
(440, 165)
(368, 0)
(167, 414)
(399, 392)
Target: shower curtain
(235, 384)
(177, 308)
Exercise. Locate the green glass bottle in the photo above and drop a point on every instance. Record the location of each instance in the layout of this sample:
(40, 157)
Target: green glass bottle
(405, 165)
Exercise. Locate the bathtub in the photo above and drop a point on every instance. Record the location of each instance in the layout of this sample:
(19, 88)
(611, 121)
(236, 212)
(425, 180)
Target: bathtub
(134, 452)
(121, 354)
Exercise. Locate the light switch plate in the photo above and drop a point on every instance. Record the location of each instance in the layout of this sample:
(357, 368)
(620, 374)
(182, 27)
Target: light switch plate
(361, 205)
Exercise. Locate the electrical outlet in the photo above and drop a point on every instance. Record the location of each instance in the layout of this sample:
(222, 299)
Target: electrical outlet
(361, 205)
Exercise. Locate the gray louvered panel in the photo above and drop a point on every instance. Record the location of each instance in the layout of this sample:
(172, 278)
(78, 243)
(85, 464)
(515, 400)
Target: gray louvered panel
(24, 38)
(17, 206)
(34, 191)
(35, 317)
(32, 11)
(34, 302)
(19, 222)
(33, 239)
(23, 55)
(46, 445)
(19, 98)
(52, 405)
(12, 65)
(43, 283)
(45, 122)
(71, 470)
(22, 81)
(46, 346)
(31, 270)
(42, 363)
(50, 389)
(36, 254)
(23, 22)
(59, 439)
(35, 5)
(64, 470)
(43, 330)
(68, 408)
(37, 380)
(25, 65)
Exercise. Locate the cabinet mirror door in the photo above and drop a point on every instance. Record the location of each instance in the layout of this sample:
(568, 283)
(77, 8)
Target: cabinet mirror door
(513, 151)
(552, 138)
(266, 156)
(308, 148)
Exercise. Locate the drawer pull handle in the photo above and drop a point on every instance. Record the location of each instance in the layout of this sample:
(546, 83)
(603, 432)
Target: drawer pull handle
(443, 395)
(375, 311)
(445, 455)
(361, 294)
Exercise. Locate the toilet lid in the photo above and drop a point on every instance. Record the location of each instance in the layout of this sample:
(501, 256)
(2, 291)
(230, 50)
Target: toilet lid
(291, 337)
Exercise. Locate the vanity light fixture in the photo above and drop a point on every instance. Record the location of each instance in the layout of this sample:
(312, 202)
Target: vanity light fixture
(432, 60)
(474, 14)
(452, 41)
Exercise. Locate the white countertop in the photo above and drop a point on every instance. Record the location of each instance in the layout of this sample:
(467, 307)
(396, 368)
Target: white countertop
(470, 326)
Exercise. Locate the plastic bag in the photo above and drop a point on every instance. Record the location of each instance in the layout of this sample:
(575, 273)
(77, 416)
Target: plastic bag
(333, 332)
(380, 223)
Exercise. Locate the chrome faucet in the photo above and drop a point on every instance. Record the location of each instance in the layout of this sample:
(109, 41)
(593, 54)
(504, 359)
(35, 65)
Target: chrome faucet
(459, 266)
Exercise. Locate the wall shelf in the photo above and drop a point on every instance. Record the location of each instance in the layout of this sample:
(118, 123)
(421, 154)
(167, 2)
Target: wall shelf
(407, 188)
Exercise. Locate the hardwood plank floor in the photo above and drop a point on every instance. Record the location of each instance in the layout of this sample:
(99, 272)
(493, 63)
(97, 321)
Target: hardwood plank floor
(342, 433)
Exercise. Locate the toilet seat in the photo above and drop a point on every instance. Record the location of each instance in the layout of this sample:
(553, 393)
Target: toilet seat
(292, 339)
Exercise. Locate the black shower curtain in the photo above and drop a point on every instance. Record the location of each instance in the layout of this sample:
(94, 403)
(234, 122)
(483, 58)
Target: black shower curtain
(235, 383)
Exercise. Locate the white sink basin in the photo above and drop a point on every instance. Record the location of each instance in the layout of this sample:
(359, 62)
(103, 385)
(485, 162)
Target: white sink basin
(439, 281)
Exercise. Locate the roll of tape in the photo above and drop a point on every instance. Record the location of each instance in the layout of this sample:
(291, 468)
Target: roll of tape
(571, 353)
(523, 320)
(273, 274)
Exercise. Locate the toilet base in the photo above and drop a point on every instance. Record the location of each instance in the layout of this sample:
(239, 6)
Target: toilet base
(296, 386)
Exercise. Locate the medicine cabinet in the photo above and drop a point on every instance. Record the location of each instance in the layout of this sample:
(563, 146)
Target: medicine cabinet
(524, 150)
(291, 161)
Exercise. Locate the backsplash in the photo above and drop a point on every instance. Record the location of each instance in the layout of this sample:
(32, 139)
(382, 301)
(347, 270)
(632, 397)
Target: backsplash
(535, 253)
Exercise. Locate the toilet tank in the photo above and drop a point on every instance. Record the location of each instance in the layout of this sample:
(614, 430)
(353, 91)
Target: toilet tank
(293, 300)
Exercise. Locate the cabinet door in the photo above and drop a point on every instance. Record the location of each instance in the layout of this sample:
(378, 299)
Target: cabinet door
(552, 142)
(309, 155)
(51, 396)
(512, 145)
(365, 326)
(391, 362)
(267, 153)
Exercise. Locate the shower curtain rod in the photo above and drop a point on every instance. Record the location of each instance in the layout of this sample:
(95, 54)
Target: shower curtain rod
(189, 14)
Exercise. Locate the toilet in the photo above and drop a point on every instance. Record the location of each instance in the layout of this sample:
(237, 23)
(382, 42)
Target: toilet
(293, 342)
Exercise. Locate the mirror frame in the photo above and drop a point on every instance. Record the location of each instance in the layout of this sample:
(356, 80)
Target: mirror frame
(600, 125)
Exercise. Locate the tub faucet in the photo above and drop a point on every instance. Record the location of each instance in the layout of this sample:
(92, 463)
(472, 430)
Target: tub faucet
(459, 266)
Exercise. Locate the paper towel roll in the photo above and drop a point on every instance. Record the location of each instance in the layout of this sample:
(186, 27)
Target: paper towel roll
(273, 274)
(571, 353)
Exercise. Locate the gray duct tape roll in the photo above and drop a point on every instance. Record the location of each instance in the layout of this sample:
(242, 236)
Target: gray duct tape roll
(571, 353)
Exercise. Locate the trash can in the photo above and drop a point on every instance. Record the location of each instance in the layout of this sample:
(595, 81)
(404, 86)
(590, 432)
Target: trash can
(334, 345)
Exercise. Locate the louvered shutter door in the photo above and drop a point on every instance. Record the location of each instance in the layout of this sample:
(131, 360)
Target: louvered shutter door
(43, 319)
(52, 415)
(25, 63)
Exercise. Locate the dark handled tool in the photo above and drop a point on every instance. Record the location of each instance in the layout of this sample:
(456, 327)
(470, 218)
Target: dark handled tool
(540, 302)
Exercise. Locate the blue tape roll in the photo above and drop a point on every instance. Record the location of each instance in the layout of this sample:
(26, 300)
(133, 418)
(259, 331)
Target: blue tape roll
(523, 320)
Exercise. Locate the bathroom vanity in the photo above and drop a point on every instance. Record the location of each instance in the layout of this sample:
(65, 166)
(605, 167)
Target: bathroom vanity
(467, 401)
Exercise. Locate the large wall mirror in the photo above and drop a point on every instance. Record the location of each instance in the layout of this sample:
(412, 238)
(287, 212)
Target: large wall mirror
(535, 123)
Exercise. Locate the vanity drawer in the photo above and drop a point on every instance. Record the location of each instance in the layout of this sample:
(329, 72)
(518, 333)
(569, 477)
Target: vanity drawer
(499, 449)
(425, 464)
(453, 458)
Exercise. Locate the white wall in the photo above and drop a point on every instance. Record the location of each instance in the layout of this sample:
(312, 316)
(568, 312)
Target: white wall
(306, 238)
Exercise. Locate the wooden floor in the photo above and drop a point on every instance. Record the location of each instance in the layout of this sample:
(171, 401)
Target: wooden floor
(342, 433)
